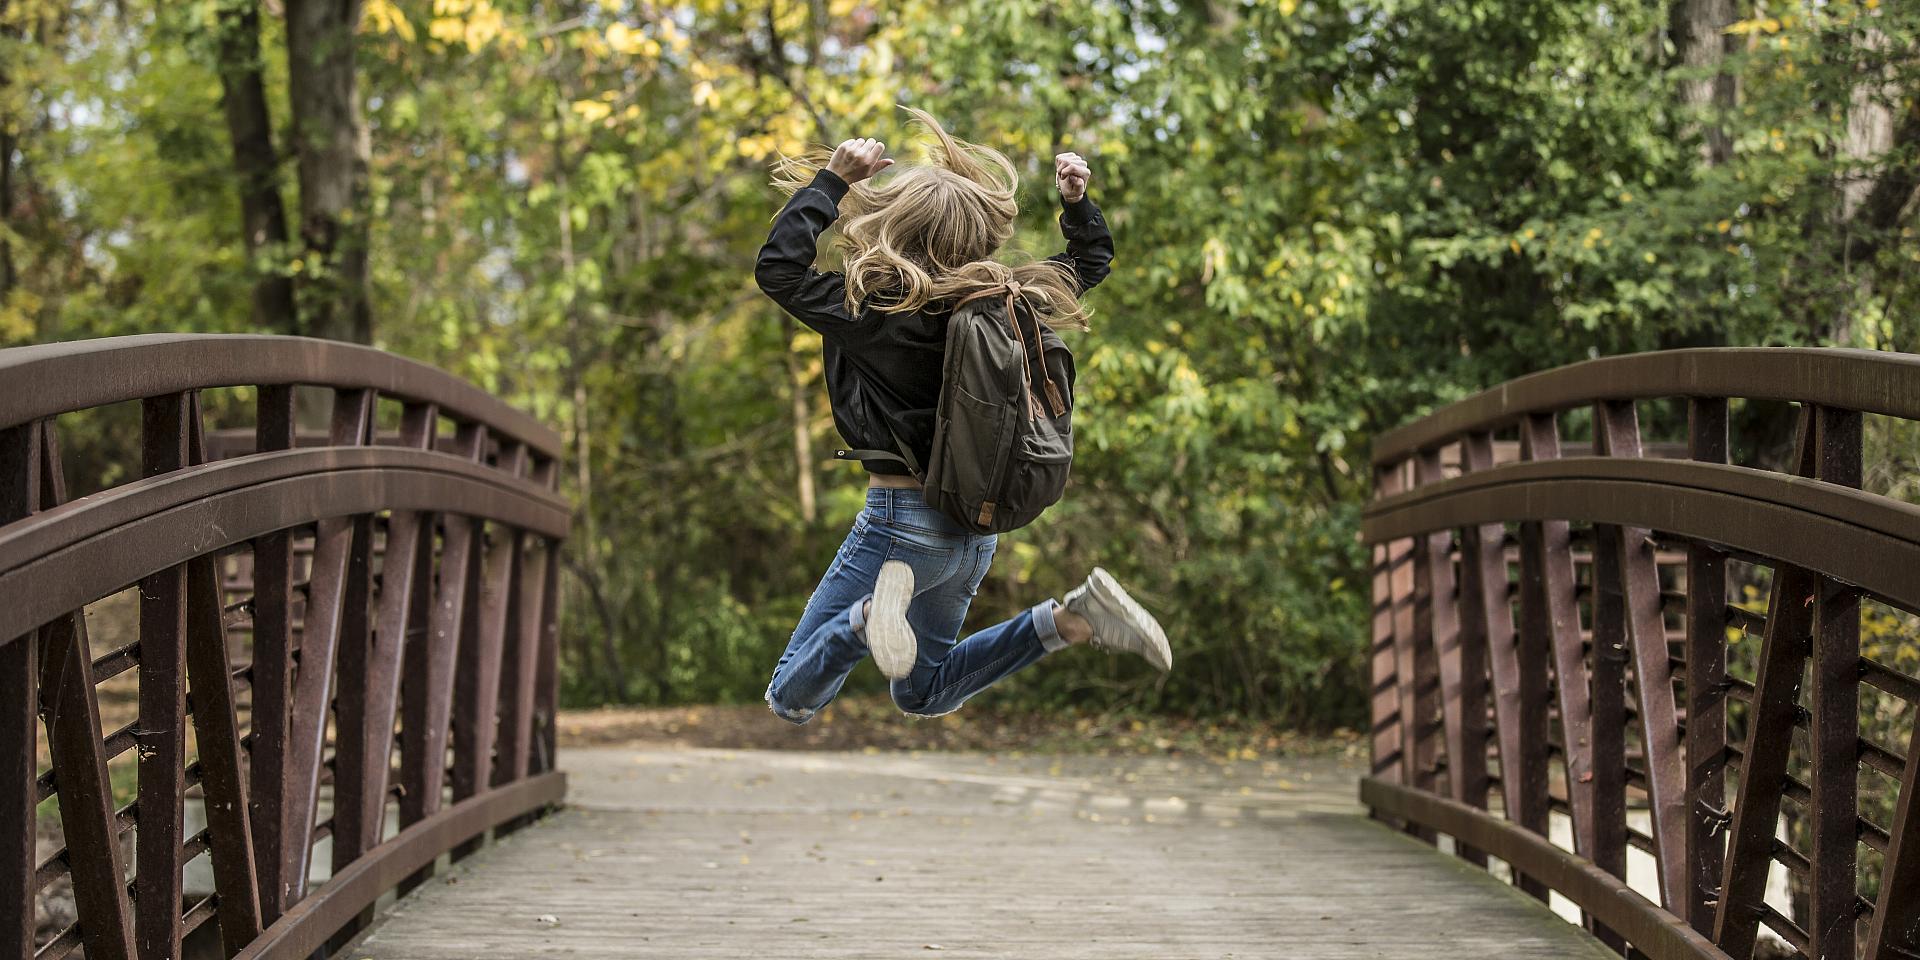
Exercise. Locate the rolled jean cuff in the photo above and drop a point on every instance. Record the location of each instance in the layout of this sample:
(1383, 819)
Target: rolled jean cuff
(857, 616)
(1050, 639)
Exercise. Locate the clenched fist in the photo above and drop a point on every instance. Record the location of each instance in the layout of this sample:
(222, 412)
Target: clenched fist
(1070, 174)
(857, 159)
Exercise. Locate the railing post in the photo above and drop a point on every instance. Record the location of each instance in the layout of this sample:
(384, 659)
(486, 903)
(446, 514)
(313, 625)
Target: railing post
(272, 671)
(1834, 733)
(1770, 722)
(1546, 590)
(1617, 424)
(1466, 771)
(1429, 726)
(216, 729)
(1706, 729)
(336, 613)
(1486, 619)
(1389, 744)
(161, 737)
(71, 711)
(1607, 691)
(19, 725)
(477, 689)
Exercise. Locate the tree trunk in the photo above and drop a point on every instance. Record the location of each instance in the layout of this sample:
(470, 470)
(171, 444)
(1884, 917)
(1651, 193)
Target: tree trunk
(1700, 42)
(330, 140)
(802, 413)
(7, 141)
(263, 216)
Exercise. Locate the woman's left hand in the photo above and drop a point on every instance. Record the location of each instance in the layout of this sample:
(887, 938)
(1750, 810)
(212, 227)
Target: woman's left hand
(1070, 174)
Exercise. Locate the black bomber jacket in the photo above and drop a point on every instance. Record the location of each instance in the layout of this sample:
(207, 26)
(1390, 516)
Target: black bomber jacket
(883, 369)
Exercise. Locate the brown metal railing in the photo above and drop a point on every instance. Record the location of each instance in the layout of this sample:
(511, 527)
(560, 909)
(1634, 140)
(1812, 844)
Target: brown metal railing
(1551, 640)
(395, 596)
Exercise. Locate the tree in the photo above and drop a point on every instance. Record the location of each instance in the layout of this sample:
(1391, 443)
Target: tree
(256, 164)
(330, 144)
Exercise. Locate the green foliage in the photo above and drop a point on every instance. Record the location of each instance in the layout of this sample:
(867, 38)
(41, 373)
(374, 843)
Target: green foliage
(1330, 217)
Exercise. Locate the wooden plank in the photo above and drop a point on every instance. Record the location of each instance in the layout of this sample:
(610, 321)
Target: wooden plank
(977, 859)
(1706, 728)
(19, 723)
(71, 711)
(1834, 731)
(217, 733)
(1520, 684)
(1619, 428)
(272, 680)
(1770, 723)
(161, 737)
(332, 591)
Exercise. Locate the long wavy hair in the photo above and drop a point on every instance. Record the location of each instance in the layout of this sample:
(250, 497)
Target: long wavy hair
(924, 234)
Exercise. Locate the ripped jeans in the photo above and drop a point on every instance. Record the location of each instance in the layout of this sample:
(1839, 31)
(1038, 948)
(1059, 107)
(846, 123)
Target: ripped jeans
(948, 565)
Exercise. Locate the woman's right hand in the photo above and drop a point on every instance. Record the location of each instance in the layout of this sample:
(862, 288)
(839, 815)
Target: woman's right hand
(857, 159)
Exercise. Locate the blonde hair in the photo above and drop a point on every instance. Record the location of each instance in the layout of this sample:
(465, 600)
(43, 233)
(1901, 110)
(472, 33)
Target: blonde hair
(925, 233)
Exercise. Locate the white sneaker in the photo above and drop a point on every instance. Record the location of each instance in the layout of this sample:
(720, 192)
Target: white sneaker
(889, 636)
(1120, 623)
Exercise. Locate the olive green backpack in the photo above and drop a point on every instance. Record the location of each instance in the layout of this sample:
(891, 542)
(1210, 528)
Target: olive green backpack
(1003, 432)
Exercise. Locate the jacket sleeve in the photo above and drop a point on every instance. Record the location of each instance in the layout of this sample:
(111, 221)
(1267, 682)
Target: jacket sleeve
(784, 269)
(1089, 245)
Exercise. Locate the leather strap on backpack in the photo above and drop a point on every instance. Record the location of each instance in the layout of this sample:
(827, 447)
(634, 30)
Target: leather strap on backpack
(1010, 291)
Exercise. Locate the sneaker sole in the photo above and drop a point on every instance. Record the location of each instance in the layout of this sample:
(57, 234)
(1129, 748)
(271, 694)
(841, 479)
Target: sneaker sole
(889, 636)
(1159, 654)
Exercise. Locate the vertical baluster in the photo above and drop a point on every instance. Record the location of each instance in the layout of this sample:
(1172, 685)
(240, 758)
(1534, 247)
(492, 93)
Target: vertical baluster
(1896, 916)
(1427, 726)
(1607, 663)
(521, 667)
(337, 587)
(1388, 747)
(1618, 425)
(1523, 775)
(1435, 574)
(71, 711)
(272, 686)
(1401, 587)
(161, 736)
(1706, 729)
(1834, 734)
(452, 627)
(477, 689)
(1486, 617)
(1770, 722)
(19, 725)
(548, 707)
(216, 728)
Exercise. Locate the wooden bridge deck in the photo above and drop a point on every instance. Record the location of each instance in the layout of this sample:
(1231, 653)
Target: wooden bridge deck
(708, 854)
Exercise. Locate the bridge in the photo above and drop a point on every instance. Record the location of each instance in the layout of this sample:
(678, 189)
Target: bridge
(1631, 699)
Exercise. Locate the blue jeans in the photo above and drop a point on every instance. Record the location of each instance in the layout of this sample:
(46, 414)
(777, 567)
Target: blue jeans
(948, 565)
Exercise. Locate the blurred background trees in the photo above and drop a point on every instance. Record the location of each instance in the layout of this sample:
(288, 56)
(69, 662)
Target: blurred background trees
(1330, 216)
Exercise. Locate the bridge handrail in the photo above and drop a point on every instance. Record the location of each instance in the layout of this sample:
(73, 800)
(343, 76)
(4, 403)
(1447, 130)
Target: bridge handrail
(398, 594)
(48, 379)
(1464, 629)
(1866, 381)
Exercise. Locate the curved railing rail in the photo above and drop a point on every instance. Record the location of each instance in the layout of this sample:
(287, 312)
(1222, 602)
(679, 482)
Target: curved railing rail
(1551, 652)
(393, 594)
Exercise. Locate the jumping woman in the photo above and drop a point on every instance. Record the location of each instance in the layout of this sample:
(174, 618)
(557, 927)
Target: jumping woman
(918, 247)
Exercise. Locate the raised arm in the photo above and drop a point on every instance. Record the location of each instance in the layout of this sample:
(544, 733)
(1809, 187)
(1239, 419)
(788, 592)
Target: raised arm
(784, 269)
(1089, 246)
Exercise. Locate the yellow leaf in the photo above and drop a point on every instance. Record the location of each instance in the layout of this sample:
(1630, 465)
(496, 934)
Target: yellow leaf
(592, 111)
